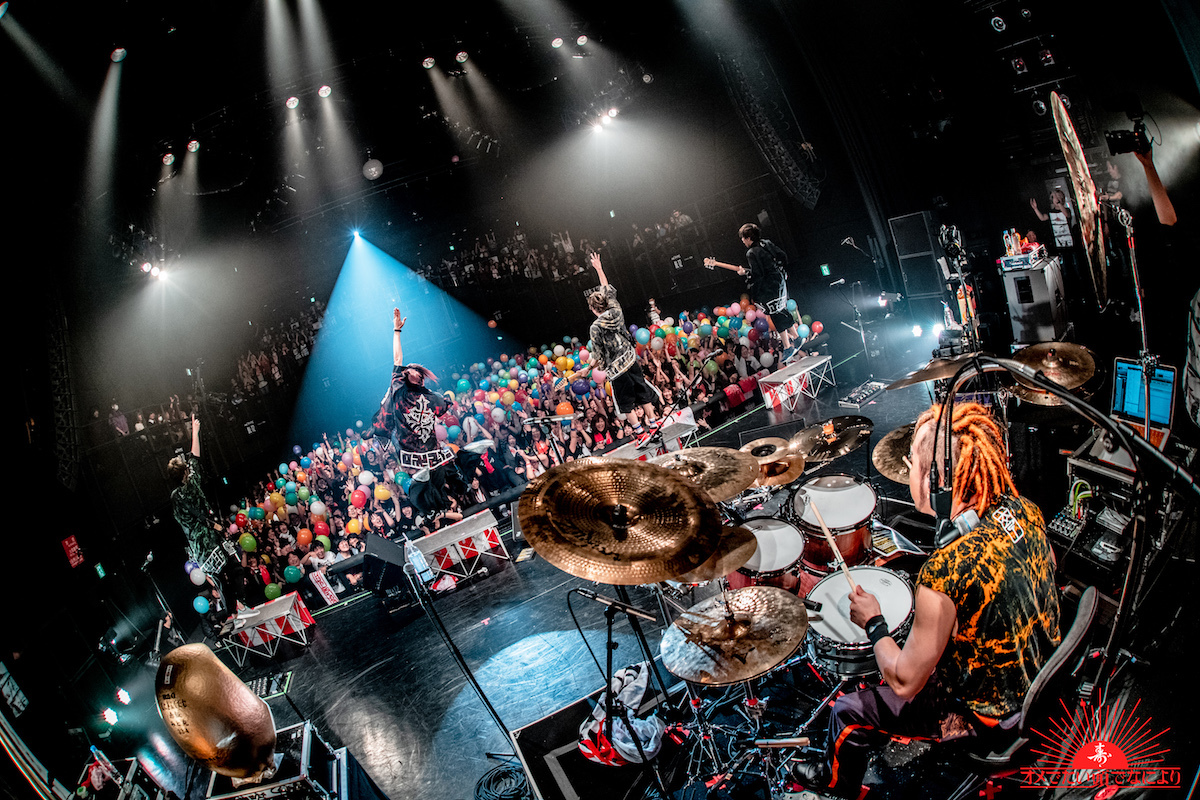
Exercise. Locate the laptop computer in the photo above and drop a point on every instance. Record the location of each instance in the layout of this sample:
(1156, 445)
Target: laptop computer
(1129, 399)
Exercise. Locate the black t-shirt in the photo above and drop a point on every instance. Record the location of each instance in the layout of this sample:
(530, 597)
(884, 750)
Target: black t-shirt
(410, 413)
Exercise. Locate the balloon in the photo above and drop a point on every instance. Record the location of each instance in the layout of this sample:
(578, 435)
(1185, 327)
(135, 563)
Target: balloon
(806, 319)
(297, 449)
(352, 526)
(508, 398)
(705, 330)
(766, 359)
(404, 479)
(661, 333)
(744, 341)
(189, 566)
(305, 462)
(464, 385)
(791, 305)
(358, 498)
(200, 604)
(280, 483)
(304, 537)
(272, 591)
(564, 408)
(642, 336)
(656, 344)
(735, 324)
(735, 310)
(543, 358)
(688, 327)
(283, 468)
(669, 322)
(723, 332)
(485, 384)
(318, 508)
(493, 397)
(321, 529)
(682, 343)
(762, 325)
(584, 356)
(503, 374)
(751, 314)
(453, 432)
(498, 415)
(197, 576)
(559, 350)
(293, 465)
(366, 477)
(323, 539)
(711, 367)
(269, 506)
(753, 334)
(292, 574)
(257, 513)
(491, 323)
(513, 384)
(382, 492)
(342, 467)
(292, 498)
(289, 487)
(803, 331)
(580, 387)
(347, 459)
(248, 542)
(818, 326)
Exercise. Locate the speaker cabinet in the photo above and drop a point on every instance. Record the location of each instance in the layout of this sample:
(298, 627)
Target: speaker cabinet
(917, 248)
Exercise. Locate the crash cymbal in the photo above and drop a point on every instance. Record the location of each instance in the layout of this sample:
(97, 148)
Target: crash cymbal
(719, 641)
(1085, 197)
(1068, 365)
(832, 438)
(766, 450)
(936, 370)
(889, 454)
(782, 472)
(736, 547)
(721, 471)
(619, 522)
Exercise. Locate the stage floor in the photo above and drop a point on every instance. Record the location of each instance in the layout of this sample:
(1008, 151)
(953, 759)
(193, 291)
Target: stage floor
(385, 686)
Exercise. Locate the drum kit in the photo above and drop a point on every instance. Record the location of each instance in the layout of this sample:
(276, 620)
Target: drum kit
(672, 524)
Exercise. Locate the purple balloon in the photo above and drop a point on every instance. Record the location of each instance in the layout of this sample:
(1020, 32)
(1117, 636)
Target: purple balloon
(688, 327)
(632, 330)
(761, 325)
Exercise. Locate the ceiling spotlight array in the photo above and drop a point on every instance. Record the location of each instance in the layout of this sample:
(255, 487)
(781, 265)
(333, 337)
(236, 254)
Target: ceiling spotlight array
(582, 40)
(556, 42)
(117, 55)
(168, 158)
(292, 102)
(461, 57)
(193, 145)
(324, 91)
(428, 63)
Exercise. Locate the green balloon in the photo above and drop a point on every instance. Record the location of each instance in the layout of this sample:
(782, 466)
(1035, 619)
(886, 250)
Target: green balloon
(272, 591)
(711, 367)
(248, 542)
(293, 574)
(303, 493)
(806, 319)
(323, 539)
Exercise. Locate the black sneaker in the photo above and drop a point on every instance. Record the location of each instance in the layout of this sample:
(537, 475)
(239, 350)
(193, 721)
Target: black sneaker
(814, 776)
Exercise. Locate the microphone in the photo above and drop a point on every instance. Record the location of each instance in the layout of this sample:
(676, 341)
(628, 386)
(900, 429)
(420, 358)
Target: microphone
(838, 282)
(849, 240)
(149, 558)
(617, 604)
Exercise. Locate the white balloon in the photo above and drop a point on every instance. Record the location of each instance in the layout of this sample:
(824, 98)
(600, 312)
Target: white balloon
(197, 577)
(767, 359)
(366, 478)
(317, 507)
(559, 350)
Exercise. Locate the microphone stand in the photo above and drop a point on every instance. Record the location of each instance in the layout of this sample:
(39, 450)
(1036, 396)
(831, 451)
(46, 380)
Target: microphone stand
(858, 328)
(656, 433)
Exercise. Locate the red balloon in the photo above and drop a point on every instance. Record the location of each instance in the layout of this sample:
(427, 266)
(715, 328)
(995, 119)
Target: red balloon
(359, 498)
(480, 394)
(241, 519)
(752, 334)
(320, 529)
(818, 326)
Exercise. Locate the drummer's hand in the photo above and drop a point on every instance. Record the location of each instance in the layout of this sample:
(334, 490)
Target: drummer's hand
(863, 606)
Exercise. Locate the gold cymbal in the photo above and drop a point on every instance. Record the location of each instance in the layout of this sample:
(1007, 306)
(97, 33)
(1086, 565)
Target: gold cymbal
(936, 370)
(619, 522)
(1085, 196)
(736, 547)
(782, 472)
(721, 471)
(833, 438)
(889, 454)
(767, 449)
(1069, 365)
(718, 642)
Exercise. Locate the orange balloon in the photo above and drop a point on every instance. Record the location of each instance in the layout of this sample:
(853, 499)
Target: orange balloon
(564, 408)
(342, 466)
(301, 477)
(304, 537)
(542, 359)
(491, 323)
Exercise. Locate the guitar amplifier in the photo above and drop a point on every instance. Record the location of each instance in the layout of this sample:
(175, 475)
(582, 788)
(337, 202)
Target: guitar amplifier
(309, 770)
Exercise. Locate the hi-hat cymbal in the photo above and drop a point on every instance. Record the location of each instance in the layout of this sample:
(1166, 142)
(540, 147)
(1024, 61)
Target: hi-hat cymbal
(719, 641)
(767, 449)
(1069, 365)
(1085, 196)
(782, 472)
(936, 370)
(619, 522)
(832, 438)
(889, 454)
(736, 547)
(721, 471)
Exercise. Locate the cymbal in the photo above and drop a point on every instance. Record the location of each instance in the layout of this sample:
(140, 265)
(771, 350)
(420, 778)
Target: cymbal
(936, 370)
(1085, 197)
(1068, 365)
(716, 642)
(766, 450)
(832, 438)
(782, 472)
(736, 547)
(889, 454)
(619, 522)
(721, 471)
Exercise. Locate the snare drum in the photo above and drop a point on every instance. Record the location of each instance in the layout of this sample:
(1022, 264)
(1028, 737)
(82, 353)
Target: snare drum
(838, 645)
(777, 558)
(847, 505)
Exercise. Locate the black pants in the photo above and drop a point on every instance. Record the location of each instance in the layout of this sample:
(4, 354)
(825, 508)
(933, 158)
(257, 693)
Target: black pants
(861, 723)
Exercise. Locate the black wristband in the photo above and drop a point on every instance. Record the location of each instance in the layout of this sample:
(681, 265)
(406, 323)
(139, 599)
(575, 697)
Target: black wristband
(876, 628)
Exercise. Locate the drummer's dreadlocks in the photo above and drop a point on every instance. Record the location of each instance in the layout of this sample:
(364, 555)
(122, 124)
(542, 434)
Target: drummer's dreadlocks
(981, 473)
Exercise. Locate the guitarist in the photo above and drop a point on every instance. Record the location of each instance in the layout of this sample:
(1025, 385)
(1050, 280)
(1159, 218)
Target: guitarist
(768, 282)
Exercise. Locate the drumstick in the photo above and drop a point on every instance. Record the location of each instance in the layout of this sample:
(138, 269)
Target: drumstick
(837, 554)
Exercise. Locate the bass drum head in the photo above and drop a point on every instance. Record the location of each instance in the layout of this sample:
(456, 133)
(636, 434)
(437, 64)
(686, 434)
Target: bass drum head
(779, 546)
(833, 623)
(846, 503)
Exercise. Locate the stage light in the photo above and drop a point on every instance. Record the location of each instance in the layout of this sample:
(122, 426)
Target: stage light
(1066, 101)
(597, 128)
(117, 56)
(3, 9)
(647, 78)
(292, 102)
(882, 301)
(146, 266)
(1046, 57)
(938, 329)
(168, 158)
(556, 42)
(1039, 108)
(917, 331)
(999, 25)
(109, 716)
(355, 234)
(461, 57)
(162, 274)
(612, 112)
(582, 40)
(372, 169)
(605, 119)
(193, 145)
(428, 63)
(123, 696)
(155, 272)
(1019, 66)
(324, 91)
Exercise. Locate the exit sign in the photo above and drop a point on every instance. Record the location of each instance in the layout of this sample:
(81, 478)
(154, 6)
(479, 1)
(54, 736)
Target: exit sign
(825, 270)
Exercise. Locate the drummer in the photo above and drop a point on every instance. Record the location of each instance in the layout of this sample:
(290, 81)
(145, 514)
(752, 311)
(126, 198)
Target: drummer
(986, 613)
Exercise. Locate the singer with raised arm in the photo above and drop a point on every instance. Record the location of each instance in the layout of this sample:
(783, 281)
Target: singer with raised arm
(767, 280)
(986, 610)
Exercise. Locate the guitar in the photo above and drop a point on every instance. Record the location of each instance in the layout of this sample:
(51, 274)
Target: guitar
(712, 262)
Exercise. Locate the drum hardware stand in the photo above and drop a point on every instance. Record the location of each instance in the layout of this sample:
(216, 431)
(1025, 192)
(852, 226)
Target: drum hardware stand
(543, 423)
(655, 434)
(1149, 360)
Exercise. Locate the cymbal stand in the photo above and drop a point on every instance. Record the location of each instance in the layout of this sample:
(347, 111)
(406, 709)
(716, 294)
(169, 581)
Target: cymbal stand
(1149, 360)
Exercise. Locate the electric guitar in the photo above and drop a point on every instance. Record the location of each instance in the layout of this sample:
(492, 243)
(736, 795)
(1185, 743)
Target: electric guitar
(712, 262)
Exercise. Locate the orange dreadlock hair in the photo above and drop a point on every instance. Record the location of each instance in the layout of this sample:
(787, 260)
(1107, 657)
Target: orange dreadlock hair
(981, 473)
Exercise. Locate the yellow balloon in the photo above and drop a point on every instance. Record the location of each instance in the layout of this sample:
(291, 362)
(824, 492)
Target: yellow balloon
(277, 499)
(355, 470)
(493, 396)
(352, 526)
(382, 493)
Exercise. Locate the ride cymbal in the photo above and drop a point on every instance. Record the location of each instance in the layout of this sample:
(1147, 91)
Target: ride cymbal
(722, 472)
(736, 547)
(767, 449)
(1069, 365)
(720, 641)
(889, 454)
(619, 522)
(833, 438)
(936, 370)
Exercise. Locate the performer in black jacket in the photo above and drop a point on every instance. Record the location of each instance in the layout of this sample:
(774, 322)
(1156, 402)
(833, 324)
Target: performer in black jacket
(768, 282)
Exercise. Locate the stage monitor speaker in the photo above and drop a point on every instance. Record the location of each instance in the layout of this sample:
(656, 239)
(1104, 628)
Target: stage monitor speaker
(916, 238)
(383, 565)
(1036, 306)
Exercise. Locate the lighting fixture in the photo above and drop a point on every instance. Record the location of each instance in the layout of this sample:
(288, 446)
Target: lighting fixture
(461, 57)
(123, 696)
(1019, 66)
(324, 91)
(917, 331)
(193, 145)
(109, 716)
(1066, 101)
(647, 78)
(292, 102)
(117, 56)
(155, 272)
(612, 112)
(938, 329)
(146, 266)
(1047, 57)
(582, 40)
(999, 25)
(168, 158)
(428, 62)
(556, 42)
(1039, 108)
(3, 9)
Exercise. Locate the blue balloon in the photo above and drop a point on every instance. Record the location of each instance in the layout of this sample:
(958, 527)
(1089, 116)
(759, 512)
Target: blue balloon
(512, 362)
(289, 487)
(735, 324)
(306, 462)
(642, 335)
(453, 432)
(681, 343)
(535, 394)
(705, 329)
(761, 325)
(201, 605)
(297, 449)
(791, 306)
(566, 340)
(280, 483)
(485, 384)
(283, 469)
(632, 330)
(316, 446)
(517, 407)
(480, 418)
(803, 331)
(189, 566)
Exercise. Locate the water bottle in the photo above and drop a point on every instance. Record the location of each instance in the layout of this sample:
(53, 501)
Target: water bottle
(419, 564)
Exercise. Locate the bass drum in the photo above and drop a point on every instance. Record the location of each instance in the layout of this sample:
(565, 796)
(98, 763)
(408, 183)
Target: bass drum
(847, 506)
(839, 646)
(776, 561)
